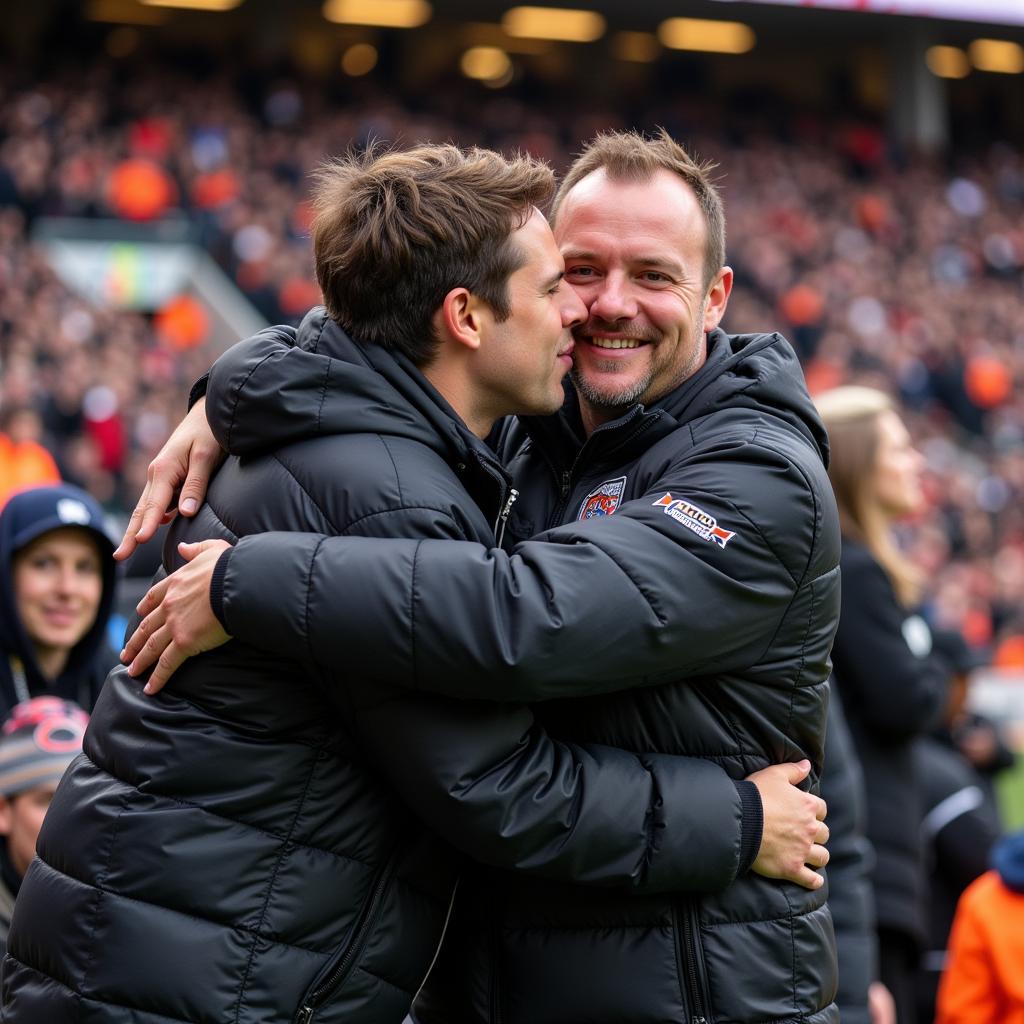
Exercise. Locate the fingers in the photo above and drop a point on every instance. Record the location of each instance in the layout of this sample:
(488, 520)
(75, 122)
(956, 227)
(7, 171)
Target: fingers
(148, 652)
(797, 772)
(820, 808)
(203, 461)
(168, 662)
(154, 597)
(818, 857)
(808, 878)
(822, 834)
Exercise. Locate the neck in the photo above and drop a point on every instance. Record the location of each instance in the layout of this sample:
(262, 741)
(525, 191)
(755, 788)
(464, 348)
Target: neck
(51, 660)
(459, 394)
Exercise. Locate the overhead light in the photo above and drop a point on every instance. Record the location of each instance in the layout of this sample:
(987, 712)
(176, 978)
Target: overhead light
(640, 47)
(997, 55)
(561, 23)
(124, 12)
(482, 33)
(947, 62)
(485, 63)
(382, 13)
(359, 59)
(195, 5)
(706, 35)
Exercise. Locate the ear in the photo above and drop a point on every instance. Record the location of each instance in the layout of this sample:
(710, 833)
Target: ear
(717, 299)
(461, 318)
(6, 816)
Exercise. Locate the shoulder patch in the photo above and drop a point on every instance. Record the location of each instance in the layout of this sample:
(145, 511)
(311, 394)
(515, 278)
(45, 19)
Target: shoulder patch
(603, 500)
(696, 519)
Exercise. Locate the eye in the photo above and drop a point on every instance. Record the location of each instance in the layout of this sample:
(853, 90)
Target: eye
(654, 276)
(580, 272)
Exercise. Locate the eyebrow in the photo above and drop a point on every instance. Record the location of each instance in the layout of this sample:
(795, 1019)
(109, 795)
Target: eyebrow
(552, 280)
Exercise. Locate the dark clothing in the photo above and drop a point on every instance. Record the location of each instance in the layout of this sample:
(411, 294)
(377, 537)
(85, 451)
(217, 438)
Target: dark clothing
(26, 517)
(897, 957)
(891, 693)
(10, 883)
(849, 868)
(716, 577)
(237, 849)
(959, 830)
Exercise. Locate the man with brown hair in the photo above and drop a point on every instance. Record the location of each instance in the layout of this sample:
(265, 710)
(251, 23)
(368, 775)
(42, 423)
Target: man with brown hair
(675, 526)
(244, 846)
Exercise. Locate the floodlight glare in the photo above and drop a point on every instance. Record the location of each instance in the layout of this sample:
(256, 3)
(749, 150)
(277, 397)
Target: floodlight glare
(706, 35)
(561, 23)
(380, 13)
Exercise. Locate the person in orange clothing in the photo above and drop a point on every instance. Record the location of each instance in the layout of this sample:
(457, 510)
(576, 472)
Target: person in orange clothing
(24, 462)
(984, 978)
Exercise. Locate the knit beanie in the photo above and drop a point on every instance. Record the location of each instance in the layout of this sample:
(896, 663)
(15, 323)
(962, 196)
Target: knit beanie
(38, 740)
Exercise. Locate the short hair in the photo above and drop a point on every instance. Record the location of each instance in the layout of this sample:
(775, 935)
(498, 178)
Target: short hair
(394, 232)
(630, 156)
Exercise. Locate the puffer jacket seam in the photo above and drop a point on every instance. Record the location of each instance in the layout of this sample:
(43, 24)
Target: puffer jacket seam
(95, 999)
(271, 883)
(247, 929)
(232, 419)
(181, 802)
(99, 895)
(790, 915)
(323, 392)
(394, 466)
(803, 655)
(302, 487)
(309, 597)
(792, 955)
(412, 614)
(403, 508)
(386, 981)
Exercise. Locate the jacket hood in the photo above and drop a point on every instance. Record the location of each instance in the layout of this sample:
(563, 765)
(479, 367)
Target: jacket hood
(756, 371)
(360, 389)
(27, 516)
(1008, 860)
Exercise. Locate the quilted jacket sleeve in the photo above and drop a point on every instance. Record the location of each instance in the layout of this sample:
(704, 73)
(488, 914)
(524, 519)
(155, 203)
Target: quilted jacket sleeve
(649, 594)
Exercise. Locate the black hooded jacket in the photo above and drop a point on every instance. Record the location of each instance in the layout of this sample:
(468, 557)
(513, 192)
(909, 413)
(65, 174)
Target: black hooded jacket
(709, 565)
(249, 845)
(25, 517)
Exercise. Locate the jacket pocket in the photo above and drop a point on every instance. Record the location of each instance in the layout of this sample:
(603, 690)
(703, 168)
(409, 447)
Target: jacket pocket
(333, 976)
(693, 978)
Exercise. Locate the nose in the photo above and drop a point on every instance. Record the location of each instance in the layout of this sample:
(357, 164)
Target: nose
(613, 300)
(574, 312)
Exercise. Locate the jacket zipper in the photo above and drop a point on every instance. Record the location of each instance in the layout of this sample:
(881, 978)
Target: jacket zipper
(691, 967)
(502, 520)
(340, 969)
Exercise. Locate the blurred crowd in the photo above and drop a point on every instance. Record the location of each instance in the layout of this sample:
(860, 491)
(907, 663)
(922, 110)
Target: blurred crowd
(882, 269)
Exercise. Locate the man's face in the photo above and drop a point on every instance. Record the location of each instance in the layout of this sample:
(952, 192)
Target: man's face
(524, 358)
(634, 253)
(21, 818)
(58, 583)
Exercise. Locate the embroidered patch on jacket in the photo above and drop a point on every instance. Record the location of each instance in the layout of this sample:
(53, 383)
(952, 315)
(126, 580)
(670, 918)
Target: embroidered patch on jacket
(693, 518)
(604, 500)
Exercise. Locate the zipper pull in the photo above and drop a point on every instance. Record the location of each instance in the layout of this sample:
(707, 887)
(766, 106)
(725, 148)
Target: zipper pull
(499, 526)
(699, 1020)
(566, 480)
(305, 1015)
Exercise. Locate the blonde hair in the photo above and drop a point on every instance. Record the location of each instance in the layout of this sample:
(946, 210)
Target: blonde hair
(851, 415)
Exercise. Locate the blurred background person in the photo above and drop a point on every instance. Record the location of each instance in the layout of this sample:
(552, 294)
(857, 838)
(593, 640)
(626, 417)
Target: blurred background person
(892, 687)
(24, 461)
(984, 979)
(38, 740)
(56, 594)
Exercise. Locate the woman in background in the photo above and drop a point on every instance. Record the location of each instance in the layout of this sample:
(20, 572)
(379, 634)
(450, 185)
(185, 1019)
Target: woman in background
(892, 687)
(56, 593)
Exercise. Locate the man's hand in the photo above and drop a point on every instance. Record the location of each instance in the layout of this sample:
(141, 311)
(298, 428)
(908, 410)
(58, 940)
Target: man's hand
(187, 460)
(792, 843)
(881, 1005)
(177, 618)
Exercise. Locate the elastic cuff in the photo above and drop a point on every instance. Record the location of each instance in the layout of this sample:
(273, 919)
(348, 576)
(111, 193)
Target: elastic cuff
(753, 824)
(199, 389)
(217, 587)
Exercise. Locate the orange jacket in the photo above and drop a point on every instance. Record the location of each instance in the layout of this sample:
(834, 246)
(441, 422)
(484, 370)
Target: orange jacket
(24, 464)
(984, 978)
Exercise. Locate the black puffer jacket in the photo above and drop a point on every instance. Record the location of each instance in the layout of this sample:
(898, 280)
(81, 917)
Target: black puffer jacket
(893, 690)
(717, 575)
(236, 849)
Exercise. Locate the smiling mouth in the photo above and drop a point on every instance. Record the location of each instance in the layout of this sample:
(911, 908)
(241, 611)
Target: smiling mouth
(616, 343)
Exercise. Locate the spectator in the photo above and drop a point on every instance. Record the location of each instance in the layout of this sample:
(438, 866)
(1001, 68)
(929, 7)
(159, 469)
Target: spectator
(39, 739)
(24, 462)
(984, 982)
(56, 593)
(891, 687)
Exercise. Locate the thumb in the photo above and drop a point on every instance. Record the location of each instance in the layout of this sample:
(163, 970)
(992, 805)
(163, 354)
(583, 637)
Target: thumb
(189, 551)
(798, 772)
